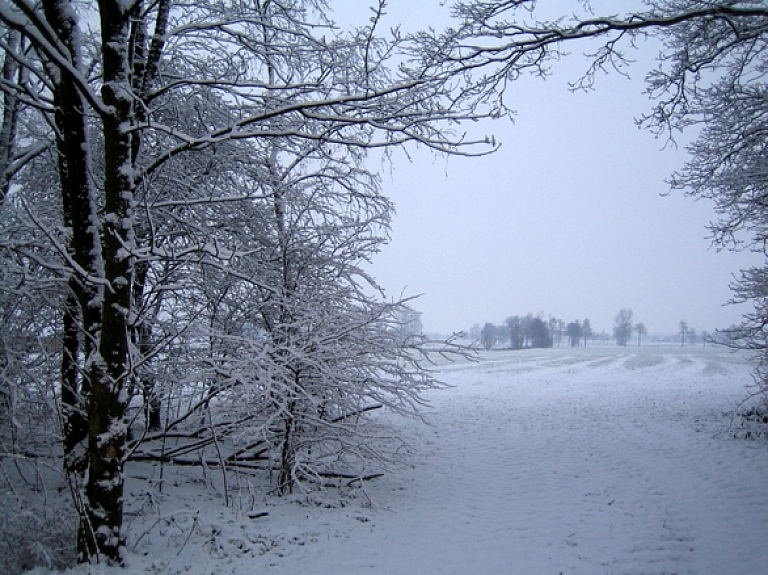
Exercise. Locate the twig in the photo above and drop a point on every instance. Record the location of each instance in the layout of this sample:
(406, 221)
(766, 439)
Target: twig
(221, 459)
(191, 529)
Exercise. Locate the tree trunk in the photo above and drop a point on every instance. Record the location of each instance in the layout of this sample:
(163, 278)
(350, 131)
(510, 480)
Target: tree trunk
(111, 369)
(285, 477)
(79, 214)
(9, 116)
(141, 337)
(145, 63)
(73, 414)
(103, 255)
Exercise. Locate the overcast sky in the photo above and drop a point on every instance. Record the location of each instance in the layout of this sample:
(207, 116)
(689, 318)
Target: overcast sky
(566, 219)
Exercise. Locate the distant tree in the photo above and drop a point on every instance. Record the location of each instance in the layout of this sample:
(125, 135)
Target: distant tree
(683, 326)
(474, 332)
(408, 322)
(560, 331)
(586, 328)
(574, 331)
(552, 326)
(502, 335)
(693, 336)
(539, 333)
(515, 331)
(526, 325)
(705, 337)
(622, 327)
(488, 335)
(641, 331)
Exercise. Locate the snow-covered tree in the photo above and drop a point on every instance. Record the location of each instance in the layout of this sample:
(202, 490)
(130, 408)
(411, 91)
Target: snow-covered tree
(409, 323)
(162, 119)
(539, 333)
(488, 335)
(514, 331)
(622, 326)
(586, 327)
(574, 331)
(641, 330)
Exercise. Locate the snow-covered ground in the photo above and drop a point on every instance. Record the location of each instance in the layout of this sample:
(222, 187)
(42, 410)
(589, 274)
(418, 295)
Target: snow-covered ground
(593, 461)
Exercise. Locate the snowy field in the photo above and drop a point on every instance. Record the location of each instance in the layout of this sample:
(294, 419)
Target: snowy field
(595, 461)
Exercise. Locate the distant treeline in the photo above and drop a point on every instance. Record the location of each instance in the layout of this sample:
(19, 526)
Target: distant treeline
(518, 332)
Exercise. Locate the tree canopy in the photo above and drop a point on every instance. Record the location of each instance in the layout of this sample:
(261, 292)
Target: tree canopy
(184, 195)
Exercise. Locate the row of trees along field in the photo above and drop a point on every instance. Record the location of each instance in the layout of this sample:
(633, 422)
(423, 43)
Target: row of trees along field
(624, 328)
(185, 205)
(518, 332)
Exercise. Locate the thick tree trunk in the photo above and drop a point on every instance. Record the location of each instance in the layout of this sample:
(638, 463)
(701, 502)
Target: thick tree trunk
(79, 214)
(74, 420)
(103, 254)
(111, 370)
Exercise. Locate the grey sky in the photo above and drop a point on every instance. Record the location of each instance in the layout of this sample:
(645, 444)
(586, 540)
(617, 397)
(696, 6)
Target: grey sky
(566, 219)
